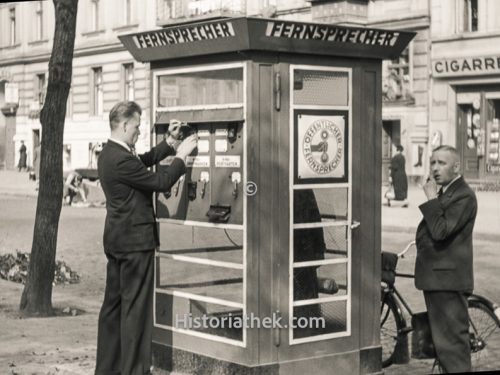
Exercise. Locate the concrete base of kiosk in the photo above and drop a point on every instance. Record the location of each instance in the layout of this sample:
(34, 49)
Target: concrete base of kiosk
(180, 361)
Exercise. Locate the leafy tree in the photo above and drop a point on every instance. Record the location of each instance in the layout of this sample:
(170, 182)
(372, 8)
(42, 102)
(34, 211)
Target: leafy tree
(37, 294)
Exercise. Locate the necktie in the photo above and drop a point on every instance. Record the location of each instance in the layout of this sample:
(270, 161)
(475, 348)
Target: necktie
(440, 192)
(132, 150)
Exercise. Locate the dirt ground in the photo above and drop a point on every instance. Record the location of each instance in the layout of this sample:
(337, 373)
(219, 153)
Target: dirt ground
(63, 344)
(66, 344)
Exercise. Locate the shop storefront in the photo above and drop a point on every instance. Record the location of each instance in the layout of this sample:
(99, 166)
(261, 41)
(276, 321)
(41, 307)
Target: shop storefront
(466, 113)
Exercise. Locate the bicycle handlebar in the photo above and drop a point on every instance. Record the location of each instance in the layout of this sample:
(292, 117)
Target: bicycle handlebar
(402, 253)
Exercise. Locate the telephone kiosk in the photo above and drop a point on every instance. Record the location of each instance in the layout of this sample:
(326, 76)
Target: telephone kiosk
(269, 257)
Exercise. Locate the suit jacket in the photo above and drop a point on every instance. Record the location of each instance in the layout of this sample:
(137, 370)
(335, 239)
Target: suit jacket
(444, 241)
(128, 186)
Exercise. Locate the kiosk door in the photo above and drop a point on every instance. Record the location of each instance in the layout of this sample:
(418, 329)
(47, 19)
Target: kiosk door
(316, 311)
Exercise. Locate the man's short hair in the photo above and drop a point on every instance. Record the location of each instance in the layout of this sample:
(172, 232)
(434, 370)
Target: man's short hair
(123, 111)
(447, 148)
(450, 149)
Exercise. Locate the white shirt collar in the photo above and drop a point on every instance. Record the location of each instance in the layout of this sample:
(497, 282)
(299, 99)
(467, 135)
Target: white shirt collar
(121, 143)
(452, 181)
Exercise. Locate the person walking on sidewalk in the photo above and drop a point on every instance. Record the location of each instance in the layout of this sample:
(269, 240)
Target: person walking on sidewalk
(399, 178)
(22, 157)
(443, 268)
(130, 238)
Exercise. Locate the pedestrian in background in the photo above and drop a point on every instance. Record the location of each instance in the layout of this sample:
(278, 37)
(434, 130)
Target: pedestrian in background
(443, 268)
(398, 178)
(73, 187)
(22, 157)
(130, 238)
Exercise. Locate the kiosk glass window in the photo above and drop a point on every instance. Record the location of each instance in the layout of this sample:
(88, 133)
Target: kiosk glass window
(201, 88)
(320, 291)
(200, 282)
(201, 265)
(309, 88)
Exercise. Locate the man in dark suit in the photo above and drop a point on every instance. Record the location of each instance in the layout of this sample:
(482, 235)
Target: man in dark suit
(443, 269)
(130, 238)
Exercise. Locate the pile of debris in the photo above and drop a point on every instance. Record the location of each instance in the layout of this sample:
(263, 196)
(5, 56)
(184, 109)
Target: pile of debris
(15, 268)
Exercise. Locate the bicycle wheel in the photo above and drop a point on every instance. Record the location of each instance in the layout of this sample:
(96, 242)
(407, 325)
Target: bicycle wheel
(391, 324)
(484, 336)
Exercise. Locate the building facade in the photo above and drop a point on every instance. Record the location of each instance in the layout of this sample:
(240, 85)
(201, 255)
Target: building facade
(465, 109)
(444, 88)
(406, 82)
(103, 73)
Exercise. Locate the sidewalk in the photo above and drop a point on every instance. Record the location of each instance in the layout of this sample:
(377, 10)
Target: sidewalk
(400, 219)
(394, 218)
(18, 184)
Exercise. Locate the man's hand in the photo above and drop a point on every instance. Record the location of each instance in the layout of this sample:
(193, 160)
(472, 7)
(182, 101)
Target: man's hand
(174, 130)
(187, 146)
(430, 189)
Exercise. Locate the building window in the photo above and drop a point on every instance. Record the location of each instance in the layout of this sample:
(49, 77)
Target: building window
(396, 79)
(168, 9)
(97, 92)
(12, 26)
(468, 17)
(128, 81)
(40, 89)
(127, 12)
(39, 21)
(94, 15)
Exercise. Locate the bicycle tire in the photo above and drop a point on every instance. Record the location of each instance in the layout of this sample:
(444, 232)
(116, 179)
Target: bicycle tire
(391, 325)
(484, 329)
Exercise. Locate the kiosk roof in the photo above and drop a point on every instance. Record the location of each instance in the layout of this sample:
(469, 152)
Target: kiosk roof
(259, 34)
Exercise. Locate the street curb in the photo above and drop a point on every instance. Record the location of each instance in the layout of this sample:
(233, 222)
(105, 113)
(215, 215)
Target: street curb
(17, 194)
(482, 236)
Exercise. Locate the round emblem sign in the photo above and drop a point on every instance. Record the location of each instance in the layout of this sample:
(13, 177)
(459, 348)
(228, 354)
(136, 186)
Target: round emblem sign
(323, 146)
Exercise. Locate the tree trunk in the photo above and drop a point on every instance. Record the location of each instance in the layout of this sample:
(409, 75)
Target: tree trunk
(37, 294)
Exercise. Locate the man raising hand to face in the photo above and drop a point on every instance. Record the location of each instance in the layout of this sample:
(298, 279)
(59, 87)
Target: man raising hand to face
(443, 268)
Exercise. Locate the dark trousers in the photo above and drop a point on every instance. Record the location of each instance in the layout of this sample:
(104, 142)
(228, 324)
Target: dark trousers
(126, 317)
(449, 321)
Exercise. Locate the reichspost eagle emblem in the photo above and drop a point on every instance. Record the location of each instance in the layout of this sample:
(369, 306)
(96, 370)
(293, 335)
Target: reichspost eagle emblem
(323, 146)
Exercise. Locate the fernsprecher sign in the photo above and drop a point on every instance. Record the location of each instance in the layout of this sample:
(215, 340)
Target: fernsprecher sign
(466, 66)
(321, 146)
(328, 33)
(187, 34)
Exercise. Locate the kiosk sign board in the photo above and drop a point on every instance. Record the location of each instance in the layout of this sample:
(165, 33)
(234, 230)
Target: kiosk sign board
(239, 34)
(321, 145)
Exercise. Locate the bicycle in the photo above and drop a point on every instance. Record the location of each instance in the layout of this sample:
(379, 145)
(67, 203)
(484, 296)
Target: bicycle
(484, 321)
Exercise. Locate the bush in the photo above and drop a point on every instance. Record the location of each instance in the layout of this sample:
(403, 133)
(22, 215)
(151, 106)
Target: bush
(15, 268)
